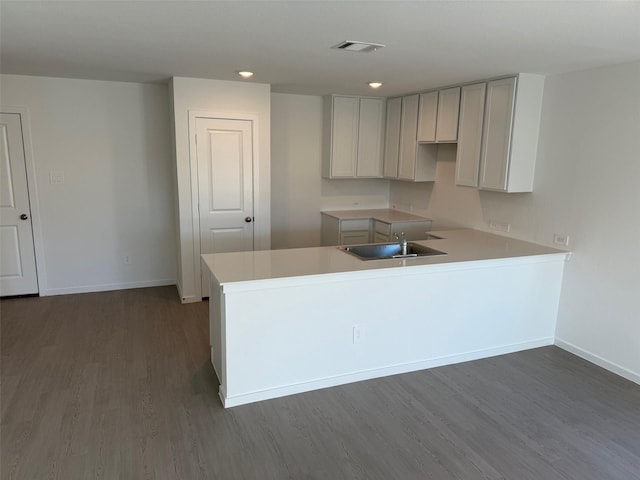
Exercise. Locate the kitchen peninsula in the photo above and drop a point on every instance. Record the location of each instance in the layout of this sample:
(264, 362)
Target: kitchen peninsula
(289, 321)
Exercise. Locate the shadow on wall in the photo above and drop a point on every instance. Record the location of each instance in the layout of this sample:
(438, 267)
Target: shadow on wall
(360, 193)
(452, 206)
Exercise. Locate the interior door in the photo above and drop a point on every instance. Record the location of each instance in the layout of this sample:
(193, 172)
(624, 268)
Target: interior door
(225, 187)
(17, 258)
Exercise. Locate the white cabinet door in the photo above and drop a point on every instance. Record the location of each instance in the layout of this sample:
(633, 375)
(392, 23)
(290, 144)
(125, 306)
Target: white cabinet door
(344, 136)
(336, 231)
(225, 187)
(428, 112)
(380, 238)
(354, 238)
(355, 231)
(392, 137)
(17, 256)
(353, 136)
(447, 122)
(370, 137)
(510, 137)
(497, 133)
(470, 134)
(408, 138)
(417, 162)
(381, 231)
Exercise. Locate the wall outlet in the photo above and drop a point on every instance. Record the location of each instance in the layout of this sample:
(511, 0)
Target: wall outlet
(561, 239)
(357, 334)
(127, 260)
(500, 226)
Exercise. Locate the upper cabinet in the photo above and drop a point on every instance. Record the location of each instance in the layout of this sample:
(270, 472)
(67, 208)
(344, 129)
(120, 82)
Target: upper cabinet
(447, 123)
(438, 116)
(354, 136)
(470, 134)
(510, 137)
(408, 138)
(392, 138)
(416, 163)
(495, 124)
(428, 109)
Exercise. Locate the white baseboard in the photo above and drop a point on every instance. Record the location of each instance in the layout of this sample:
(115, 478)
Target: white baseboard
(251, 397)
(107, 287)
(601, 362)
(189, 299)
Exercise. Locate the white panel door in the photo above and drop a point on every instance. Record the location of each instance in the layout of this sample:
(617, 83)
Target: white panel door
(225, 187)
(17, 258)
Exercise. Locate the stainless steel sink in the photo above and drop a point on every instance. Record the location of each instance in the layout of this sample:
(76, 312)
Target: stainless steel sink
(379, 251)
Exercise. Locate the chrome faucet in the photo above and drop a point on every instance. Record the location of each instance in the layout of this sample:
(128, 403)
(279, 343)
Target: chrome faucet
(402, 240)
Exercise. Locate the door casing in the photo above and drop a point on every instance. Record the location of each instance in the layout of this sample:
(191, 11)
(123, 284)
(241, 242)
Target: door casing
(193, 166)
(34, 204)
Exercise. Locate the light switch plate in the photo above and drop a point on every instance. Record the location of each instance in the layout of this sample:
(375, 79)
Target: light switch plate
(500, 226)
(56, 178)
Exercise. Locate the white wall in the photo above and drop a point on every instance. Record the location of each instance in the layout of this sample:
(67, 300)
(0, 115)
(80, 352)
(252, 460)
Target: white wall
(591, 147)
(216, 97)
(450, 206)
(586, 186)
(298, 191)
(110, 140)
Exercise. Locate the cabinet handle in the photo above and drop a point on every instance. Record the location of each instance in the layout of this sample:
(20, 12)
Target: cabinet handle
(248, 219)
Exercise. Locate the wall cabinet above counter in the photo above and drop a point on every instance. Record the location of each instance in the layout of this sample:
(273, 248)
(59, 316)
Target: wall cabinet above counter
(414, 122)
(353, 136)
(498, 138)
(495, 124)
(404, 158)
(438, 116)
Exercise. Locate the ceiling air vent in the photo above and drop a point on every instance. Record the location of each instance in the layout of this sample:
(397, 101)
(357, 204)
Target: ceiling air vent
(354, 46)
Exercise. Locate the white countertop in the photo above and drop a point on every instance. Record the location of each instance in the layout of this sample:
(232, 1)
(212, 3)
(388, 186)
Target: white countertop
(460, 245)
(386, 215)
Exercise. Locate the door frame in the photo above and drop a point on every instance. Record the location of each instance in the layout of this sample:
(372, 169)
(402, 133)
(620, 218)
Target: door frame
(193, 165)
(34, 204)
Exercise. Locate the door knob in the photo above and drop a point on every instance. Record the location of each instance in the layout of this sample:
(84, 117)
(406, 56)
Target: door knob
(248, 219)
(24, 216)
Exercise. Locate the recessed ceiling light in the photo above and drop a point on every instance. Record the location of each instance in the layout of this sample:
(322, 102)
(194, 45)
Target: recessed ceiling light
(245, 74)
(375, 84)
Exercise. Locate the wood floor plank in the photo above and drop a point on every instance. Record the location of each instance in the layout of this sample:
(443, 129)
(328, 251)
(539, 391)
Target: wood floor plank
(118, 385)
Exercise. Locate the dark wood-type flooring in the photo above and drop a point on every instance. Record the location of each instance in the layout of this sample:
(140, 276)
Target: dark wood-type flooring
(118, 385)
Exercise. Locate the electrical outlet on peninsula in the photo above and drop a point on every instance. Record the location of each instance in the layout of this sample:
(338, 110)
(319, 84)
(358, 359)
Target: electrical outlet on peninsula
(357, 334)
